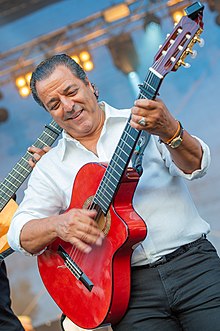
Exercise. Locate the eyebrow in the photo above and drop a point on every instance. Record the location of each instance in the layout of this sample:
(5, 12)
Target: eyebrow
(64, 91)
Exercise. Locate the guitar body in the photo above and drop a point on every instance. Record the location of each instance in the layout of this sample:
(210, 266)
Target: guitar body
(5, 219)
(107, 266)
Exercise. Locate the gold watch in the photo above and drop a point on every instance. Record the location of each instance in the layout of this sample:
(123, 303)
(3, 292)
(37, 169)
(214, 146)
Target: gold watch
(176, 142)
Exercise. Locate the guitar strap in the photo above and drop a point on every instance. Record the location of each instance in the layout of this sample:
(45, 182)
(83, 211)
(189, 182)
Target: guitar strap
(138, 153)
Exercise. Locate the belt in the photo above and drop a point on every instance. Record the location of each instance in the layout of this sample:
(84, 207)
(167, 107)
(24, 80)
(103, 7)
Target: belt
(168, 257)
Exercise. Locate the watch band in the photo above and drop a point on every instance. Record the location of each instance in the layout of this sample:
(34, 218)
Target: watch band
(176, 141)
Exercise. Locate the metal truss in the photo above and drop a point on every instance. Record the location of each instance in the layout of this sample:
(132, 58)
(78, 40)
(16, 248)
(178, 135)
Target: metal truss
(90, 33)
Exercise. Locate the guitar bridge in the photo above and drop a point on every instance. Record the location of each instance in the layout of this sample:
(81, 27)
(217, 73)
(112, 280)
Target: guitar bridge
(75, 269)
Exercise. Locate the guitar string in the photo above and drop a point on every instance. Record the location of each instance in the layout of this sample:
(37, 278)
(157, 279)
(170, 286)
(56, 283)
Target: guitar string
(76, 254)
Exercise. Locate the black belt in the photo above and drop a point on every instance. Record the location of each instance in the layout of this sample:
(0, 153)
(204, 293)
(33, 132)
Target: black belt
(166, 258)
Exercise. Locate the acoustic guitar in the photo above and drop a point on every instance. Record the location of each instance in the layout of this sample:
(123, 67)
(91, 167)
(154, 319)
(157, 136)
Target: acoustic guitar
(15, 179)
(94, 289)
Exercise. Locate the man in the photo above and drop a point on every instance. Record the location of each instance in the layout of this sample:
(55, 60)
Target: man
(8, 320)
(175, 270)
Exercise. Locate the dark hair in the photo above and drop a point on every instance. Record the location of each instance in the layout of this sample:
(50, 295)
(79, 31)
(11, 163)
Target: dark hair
(47, 67)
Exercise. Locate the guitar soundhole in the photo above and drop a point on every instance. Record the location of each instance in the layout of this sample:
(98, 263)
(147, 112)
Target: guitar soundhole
(104, 222)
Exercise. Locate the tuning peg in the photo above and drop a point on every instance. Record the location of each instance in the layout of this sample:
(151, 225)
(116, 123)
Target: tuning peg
(179, 30)
(167, 36)
(172, 41)
(193, 53)
(201, 41)
(184, 64)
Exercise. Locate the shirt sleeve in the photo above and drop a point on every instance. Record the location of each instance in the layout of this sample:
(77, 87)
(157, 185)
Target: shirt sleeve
(175, 171)
(41, 190)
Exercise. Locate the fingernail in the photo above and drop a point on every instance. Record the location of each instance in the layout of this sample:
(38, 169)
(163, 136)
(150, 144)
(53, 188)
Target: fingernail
(88, 249)
(99, 241)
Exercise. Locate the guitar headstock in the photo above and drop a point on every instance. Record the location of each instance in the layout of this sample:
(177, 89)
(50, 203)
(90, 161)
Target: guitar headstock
(180, 42)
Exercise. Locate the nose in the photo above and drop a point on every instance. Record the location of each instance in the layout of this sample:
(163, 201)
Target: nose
(68, 104)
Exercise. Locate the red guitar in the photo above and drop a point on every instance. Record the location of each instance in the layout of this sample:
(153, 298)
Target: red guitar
(94, 289)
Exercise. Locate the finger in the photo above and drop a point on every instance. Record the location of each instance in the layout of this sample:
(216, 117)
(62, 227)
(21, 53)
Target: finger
(46, 149)
(145, 103)
(31, 163)
(81, 245)
(39, 151)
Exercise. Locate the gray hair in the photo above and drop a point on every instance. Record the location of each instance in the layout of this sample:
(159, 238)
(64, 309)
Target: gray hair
(47, 67)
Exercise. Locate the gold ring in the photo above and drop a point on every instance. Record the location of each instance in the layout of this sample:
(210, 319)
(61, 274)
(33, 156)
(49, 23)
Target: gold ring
(142, 122)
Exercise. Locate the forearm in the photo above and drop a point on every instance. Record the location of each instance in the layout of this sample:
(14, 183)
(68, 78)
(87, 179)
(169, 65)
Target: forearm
(37, 234)
(188, 155)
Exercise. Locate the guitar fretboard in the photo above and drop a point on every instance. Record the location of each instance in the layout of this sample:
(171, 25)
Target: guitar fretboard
(22, 169)
(124, 150)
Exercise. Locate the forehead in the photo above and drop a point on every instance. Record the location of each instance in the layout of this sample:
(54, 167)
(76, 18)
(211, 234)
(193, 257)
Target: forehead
(61, 73)
(61, 78)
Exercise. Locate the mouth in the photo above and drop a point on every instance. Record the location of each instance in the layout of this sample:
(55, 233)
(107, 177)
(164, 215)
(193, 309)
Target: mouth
(75, 115)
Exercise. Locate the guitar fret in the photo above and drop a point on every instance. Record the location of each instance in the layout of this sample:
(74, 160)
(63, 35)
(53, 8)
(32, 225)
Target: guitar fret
(2, 197)
(103, 207)
(23, 158)
(42, 142)
(48, 135)
(123, 151)
(116, 165)
(19, 165)
(10, 174)
(125, 143)
(8, 189)
(11, 183)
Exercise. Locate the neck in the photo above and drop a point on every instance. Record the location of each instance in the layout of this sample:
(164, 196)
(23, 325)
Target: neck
(90, 141)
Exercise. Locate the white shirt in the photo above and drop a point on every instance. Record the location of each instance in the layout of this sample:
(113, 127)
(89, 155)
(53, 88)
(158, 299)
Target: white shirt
(161, 197)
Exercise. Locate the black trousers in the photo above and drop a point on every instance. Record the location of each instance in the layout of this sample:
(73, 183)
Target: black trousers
(8, 320)
(180, 295)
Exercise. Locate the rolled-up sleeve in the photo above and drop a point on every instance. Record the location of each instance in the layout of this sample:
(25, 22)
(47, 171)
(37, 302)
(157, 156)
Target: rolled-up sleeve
(175, 171)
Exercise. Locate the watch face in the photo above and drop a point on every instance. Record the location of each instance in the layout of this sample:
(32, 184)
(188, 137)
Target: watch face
(176, 142)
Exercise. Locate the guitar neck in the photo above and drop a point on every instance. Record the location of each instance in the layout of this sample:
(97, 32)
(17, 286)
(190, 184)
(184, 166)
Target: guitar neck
(123, 152)
(22, 169)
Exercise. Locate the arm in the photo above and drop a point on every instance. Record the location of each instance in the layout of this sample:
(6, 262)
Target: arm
(76, 227)
(159, 121)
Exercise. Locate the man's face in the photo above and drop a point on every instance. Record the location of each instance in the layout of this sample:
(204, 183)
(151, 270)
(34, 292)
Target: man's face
(71, 102)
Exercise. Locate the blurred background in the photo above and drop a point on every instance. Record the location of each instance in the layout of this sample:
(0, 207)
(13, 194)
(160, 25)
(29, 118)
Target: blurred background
(115, 42)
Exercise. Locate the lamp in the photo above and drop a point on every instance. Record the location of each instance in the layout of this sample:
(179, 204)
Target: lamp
(116, 12)
(22, 83)
(176, 9)
(84, 59)
(123, 53)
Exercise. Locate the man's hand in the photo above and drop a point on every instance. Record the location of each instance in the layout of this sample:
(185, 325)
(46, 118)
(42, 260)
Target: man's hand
(37, 154)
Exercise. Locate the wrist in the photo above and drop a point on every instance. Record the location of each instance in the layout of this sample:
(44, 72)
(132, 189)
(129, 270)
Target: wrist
(176, 140)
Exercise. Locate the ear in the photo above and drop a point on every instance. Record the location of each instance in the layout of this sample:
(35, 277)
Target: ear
(93, 88)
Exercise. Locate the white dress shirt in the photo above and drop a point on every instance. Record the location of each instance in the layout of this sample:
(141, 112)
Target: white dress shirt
(161, 198)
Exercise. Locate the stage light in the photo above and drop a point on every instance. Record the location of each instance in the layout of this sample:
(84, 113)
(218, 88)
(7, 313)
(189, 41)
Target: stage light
(177, 15)
(123, 53)
(22, 83)
(134, 81)
(116, 12)
(84, 59)
(176, 10)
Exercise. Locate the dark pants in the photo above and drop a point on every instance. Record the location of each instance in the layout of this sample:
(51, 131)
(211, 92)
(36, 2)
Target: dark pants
(8, 321)
(180, 295)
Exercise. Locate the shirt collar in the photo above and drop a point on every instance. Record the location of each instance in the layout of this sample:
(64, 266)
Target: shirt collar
(110, 112)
